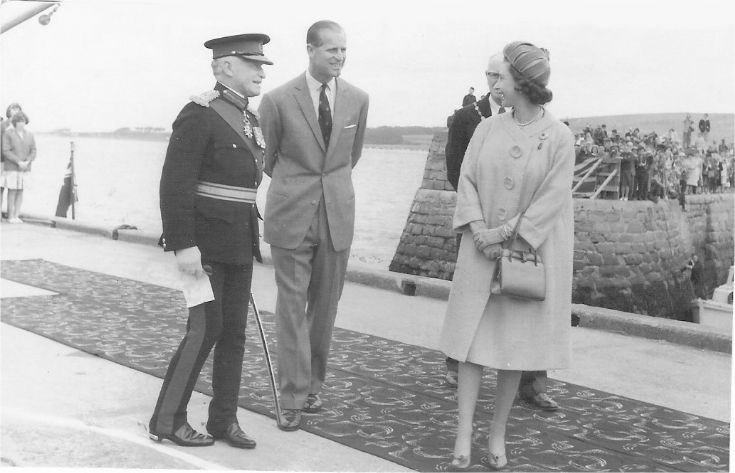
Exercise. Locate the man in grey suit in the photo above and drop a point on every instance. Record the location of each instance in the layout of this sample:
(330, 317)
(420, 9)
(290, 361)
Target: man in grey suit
(314, 127)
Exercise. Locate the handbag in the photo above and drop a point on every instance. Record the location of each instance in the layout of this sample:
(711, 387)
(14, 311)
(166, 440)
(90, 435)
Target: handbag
(519, 271)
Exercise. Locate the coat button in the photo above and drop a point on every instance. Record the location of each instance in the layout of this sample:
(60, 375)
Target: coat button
(515, 151)
(508, 183)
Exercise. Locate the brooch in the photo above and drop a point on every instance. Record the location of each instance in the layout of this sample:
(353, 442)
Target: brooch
(543, 136)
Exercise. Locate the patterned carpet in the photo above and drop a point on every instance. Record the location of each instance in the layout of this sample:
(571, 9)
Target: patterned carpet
(382, 397)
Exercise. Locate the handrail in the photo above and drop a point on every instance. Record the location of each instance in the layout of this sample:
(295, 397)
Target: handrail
(587, 174)
(604, 183)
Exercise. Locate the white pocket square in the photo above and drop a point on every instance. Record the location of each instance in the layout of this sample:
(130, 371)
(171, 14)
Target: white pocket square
(350, 126)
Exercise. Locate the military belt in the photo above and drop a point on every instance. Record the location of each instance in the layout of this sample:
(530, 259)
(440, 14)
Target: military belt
(213, 190)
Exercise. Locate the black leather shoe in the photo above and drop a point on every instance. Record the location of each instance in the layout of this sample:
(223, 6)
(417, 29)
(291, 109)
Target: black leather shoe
(235, 437)
(290, 420)
(542, 401)
(184, 436)
(313, 404)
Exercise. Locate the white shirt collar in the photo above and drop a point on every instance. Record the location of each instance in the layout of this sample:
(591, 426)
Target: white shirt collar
(315, 84)
(495, 107)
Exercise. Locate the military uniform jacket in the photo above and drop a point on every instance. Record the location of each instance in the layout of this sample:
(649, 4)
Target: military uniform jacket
(463, 125)
(204, 147)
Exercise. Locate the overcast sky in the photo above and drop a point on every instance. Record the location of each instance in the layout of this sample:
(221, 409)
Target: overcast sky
(100, 65)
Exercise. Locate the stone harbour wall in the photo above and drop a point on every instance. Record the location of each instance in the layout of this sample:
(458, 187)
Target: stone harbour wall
(428, 244)
(627, 255)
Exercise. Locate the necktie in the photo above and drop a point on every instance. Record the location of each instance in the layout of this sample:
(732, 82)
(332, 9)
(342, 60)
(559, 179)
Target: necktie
(501, 110)
(325, 115)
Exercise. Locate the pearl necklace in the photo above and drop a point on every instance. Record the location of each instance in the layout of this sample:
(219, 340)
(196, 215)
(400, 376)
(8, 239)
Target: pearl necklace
(538, 116)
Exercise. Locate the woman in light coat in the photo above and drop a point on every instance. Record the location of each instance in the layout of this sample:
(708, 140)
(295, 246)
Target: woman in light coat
(18, 151)
(515, 161)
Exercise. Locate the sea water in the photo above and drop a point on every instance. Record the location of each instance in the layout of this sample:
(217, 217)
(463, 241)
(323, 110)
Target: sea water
(117, 183)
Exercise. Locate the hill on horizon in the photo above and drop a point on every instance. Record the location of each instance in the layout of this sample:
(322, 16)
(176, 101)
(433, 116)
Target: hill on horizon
(722, 126)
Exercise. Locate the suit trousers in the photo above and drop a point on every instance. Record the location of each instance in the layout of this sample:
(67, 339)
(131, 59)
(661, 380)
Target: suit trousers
(310, 279)
(220, 324)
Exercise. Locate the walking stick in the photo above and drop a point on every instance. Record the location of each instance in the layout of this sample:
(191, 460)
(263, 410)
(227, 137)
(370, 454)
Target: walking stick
(268, 361)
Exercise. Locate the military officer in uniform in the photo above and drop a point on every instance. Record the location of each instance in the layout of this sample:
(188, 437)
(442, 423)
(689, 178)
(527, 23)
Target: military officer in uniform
(210, 175)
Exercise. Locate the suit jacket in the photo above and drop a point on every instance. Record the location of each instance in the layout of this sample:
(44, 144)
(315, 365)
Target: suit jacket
(303, 171)
(468, 99)
(16, 148)
(462, 126)
(704, 126)
(204, 147)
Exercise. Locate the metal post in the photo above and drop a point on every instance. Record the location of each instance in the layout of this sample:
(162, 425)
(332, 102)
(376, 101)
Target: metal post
(268, 361)
(73, 183)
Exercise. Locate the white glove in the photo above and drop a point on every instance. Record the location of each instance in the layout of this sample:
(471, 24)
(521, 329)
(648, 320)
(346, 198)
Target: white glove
(189, 262)
(488, 236)
(493, 252)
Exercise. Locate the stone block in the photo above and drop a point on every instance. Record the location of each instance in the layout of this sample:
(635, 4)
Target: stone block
(423, 252)
(607, 271)
(609, 259)
(606, 248)
(434, 241)
(595, 259)
(584, 246)
(632, 259)
(635, 227)
(583, 226)
(597, 237)
(623, 248)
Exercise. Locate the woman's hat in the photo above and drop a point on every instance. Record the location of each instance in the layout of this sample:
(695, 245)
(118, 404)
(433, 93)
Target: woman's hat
(532, 62)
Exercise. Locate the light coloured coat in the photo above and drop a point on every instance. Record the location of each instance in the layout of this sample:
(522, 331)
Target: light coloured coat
(17, 148)
(303, 170)
(499, 331)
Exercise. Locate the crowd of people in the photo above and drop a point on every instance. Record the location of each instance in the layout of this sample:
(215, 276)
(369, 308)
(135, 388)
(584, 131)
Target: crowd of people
(654, 166)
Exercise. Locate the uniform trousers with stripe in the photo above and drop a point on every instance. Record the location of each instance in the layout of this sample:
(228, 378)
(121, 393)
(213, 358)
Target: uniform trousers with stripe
(310, 279)
(220, 324)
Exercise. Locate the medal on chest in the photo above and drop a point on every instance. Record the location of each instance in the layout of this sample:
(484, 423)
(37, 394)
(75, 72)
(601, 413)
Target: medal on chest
(255, 133)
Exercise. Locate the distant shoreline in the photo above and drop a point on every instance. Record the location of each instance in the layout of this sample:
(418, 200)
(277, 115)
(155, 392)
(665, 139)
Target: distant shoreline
(163, 137)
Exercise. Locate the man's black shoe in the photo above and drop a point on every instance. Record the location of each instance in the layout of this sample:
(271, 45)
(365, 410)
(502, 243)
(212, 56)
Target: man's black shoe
(313, 404)
(184, 436)
(290, 420)
(234, 435)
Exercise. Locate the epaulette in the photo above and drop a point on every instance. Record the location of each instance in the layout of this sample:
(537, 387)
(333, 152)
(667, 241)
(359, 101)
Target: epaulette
(204, 98)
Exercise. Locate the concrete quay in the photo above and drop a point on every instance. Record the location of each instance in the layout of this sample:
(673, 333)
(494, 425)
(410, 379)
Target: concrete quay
(88, 412)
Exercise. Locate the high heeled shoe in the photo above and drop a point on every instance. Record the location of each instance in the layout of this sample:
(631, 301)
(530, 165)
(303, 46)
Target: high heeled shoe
(497, 462)
(459, 463)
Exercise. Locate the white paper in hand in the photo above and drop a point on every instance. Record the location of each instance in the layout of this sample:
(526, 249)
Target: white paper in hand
(196, 290)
